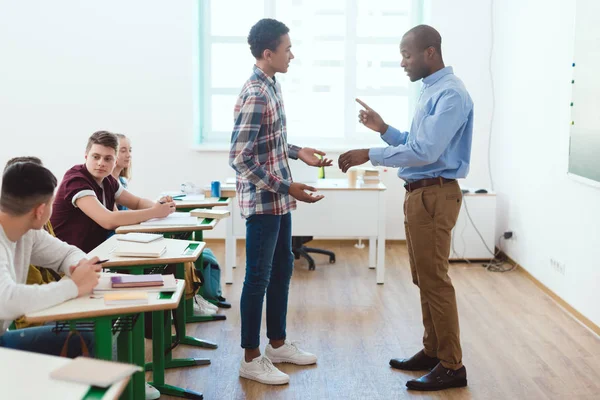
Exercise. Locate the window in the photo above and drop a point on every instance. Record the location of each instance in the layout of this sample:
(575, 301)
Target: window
(344, 49)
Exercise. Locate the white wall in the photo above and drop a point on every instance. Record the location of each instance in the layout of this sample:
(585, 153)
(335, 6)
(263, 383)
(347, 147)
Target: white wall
(552, 215)
(71, 67)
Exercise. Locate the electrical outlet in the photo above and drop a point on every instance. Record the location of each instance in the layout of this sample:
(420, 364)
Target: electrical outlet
(557, 266)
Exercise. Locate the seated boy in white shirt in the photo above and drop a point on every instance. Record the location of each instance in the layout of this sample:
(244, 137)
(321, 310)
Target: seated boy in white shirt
(25, 206)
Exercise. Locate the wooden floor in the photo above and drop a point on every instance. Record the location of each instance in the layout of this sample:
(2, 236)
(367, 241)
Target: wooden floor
(517, 343)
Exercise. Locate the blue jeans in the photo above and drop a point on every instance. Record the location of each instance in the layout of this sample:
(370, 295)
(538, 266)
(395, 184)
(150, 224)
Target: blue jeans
(269, 267)
(41, 339)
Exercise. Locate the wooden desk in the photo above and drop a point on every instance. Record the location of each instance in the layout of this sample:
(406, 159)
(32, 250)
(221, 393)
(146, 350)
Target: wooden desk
(131, 340)
(26, 375)
(193, 232)
(204, 224)
(88, 307)
(210, 202)
(178, 252)
(352, 212)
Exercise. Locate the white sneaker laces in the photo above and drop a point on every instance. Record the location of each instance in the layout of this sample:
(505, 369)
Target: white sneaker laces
(266, 364)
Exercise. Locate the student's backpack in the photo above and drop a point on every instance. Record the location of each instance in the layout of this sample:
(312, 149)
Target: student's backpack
(210, 276)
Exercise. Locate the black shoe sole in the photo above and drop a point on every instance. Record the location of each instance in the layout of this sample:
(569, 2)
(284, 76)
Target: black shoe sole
(456, 384)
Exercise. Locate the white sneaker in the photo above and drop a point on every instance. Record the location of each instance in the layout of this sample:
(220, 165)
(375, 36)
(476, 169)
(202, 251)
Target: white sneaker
(202, 311)
(205, 303)
(151, 392)
(289, 353)
(262, 370)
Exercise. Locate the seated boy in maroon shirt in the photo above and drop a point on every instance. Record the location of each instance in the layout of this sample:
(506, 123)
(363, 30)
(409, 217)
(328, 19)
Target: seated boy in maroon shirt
(84, 207)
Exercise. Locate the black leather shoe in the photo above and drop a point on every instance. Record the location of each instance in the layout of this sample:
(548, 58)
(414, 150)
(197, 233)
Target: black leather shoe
(418, 362)
(440, 378)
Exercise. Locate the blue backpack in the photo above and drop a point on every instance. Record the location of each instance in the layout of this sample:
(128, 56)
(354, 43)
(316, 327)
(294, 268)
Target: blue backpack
(211, 276)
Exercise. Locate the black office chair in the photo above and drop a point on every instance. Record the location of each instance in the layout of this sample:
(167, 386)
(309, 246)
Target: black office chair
(300, 250)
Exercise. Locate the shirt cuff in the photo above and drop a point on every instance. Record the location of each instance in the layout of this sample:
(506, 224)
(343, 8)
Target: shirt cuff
(81, 194)
(376, 155)
(284, 187)
(293, 151)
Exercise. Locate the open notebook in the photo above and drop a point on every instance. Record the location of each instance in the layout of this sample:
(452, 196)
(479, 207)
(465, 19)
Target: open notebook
(94, 372)
(133, 249)
(177, 218)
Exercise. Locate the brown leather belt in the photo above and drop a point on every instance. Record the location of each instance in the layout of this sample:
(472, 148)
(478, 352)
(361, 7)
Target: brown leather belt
(421, 183)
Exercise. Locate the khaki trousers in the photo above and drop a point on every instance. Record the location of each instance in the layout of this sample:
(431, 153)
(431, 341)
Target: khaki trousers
(430, 213)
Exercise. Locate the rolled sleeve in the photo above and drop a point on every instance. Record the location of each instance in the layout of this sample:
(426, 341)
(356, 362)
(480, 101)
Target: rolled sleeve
(293, 151)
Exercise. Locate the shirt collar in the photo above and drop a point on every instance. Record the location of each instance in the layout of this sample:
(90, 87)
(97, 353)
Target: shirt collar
(260, 74)
(436, 76)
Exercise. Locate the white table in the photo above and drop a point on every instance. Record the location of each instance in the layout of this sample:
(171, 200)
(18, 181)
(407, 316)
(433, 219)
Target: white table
(25, 375)
(356, 211)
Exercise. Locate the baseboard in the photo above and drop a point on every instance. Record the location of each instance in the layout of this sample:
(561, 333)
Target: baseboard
(319, 241)
(566, 306)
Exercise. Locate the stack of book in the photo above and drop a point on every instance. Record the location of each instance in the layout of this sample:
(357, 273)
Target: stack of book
(371, 176)
(133, 283)
(129, 281)
(136, 288)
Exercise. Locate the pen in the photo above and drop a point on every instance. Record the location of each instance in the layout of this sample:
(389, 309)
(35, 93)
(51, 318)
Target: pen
(101, 261)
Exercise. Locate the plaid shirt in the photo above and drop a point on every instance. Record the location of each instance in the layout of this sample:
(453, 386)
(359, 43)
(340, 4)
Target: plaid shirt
(259, 150)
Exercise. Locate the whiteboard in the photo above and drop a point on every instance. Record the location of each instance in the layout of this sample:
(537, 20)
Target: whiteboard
(584, 148)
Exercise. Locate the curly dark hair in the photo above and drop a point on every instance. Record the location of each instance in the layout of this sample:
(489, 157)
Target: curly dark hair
(266, 34)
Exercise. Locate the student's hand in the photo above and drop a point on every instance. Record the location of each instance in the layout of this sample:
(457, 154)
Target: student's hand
(85, 261)
(297, 191)
(353, 157)
(308, 155)
(165, 199)
(371, 119)
(85, 275)
(164, 209)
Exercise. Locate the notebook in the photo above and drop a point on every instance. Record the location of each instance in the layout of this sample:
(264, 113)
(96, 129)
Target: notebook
(177, 218)
(210, 213)
(132, 249)
(138, 237)
(126, 281)
(125, 298)
(94, 372)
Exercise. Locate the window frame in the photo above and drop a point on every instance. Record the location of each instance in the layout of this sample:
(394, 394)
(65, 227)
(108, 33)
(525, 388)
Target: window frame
(213, 140)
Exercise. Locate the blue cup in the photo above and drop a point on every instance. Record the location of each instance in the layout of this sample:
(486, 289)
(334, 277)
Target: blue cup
(215, 189)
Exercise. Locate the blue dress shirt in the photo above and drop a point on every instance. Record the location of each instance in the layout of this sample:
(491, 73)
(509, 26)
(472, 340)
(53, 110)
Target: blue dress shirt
(439, 141)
